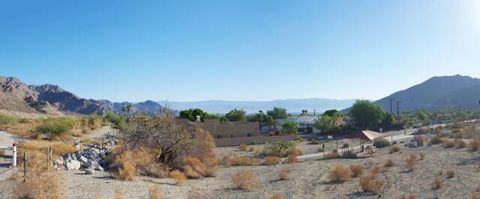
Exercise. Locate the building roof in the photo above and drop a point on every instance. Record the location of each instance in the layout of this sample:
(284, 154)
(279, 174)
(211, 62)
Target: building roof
(366, 135)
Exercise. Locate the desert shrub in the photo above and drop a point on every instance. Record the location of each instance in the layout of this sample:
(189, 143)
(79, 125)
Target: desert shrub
(332, 155)
(251, 149)
(245, 180)
(194, 168)
(295, 152)
(437, 182)
(280, 148)
(61, 148)
(155, 170)
(126, 171)
(291, 159)
(349, 154)
(272, 160)
(357, 170)
(277, 196)
(283, 174)
(459, 144)
(339, 174)
(450, 174)
(436, 140)
(474, 145)
(243, 147)
(154, 192)
(6, 119)
(234, 160)
(117, 121)
(380, 143)
(56, 127)
(39, 185)
(371, 183)
(179, 177)
(389, 163)
(448, 143)
(394, 149)
(422, 156)
(410, 162)
(375, 170)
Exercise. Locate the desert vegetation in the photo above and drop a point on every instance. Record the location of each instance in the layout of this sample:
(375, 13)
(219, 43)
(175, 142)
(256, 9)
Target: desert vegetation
(245, 180)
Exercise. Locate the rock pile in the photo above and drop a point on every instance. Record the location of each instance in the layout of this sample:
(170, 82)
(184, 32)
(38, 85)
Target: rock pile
(89, 159)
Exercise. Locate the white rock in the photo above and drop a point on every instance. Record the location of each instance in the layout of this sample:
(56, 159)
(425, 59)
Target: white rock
(73, 165)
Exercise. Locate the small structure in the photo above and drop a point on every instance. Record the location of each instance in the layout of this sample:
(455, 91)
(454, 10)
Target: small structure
(366, 135)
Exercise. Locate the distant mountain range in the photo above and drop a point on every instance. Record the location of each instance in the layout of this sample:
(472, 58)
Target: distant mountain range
(436, 93)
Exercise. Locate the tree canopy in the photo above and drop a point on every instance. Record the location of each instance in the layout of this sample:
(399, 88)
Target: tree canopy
(191, 114)
(261, 118)
(329, 123)
(278, 113)
(366, 114)
(290, 128)
(236, 115)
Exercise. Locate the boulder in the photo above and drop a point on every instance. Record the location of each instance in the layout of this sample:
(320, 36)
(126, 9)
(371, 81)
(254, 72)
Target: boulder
(89, 171)
(99, 168)
(73, 165)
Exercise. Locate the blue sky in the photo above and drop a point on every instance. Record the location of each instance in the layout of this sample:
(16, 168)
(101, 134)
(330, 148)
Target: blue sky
(237, 50)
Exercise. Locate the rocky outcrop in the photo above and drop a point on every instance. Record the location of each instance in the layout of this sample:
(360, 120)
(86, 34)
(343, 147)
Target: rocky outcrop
(89, 159)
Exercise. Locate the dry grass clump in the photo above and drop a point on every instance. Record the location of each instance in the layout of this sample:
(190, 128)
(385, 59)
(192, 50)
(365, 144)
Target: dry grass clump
(394, 149)
(154, 192)
(295, 152)
(448, 143)
(194, 168)
(460, 144)
(332, 155)
(291, 159)
(277, 196)
(243, 147)
(179, 177)
(357, 170)
(410, 162)
(61, 149)
(474, 145)
(233, 160)
(389, 163)
(437, 182)
(251, 149)
(371, 183)
(126, 171)
(245, 180)
(436, 140)
(272, 160)
(283, 174)
(450, 174)
(340, 174)
(422, 156)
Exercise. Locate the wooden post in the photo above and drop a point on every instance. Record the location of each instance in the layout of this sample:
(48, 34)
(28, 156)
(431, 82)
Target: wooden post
(25, 159)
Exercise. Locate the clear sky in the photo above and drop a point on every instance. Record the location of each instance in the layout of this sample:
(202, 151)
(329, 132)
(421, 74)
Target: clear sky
(237, 50)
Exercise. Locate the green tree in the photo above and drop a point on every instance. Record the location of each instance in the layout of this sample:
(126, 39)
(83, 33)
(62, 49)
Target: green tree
(330, 112)
(278, 113)
(261, 118)
(290, 128)
(423, 117)
(330, 123)
(236, 115)
(191, 114)
(127, 108)
(304, 112)
(366, 115)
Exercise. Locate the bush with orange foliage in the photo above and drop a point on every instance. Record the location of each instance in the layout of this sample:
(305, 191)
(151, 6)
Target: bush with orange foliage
(283, 174)
(474, 145)
(277, 196)
(437, 182)
(179, 177)
(126, 171)
(448, 143)
(357, 170)
(339, 174)
(410, 162)
(233, 160)
(245, 180)
(291, 159)
(194, 168)
(272, 160)
(371, 183)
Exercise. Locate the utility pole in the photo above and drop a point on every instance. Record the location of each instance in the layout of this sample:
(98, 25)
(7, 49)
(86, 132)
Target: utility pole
(391, 108)
(398, 109)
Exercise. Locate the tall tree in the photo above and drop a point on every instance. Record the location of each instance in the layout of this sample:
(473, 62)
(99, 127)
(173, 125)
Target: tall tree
(290, 128)
(366, 115)
(236, 115)
(278, 113)
(191, 114)
(329, 123)
(261, 118)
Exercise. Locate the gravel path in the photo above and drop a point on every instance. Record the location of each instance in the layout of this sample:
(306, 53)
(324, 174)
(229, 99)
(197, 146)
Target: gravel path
(101, 132)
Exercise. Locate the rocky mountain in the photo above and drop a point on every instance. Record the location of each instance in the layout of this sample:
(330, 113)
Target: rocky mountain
(17, 96)
(437, 93)
(292, 105)
(149, 107)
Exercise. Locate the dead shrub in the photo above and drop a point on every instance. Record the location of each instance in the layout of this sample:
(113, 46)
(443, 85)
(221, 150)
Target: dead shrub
(194, 168)
(394, 149)
(422, 156)
(450, 174)
(243, 147)
(154, 170)
(448, 143)
(295, 152)
(154, 192)
(436, 140)
(283, 174)
(357, 170)
(245, 180)
(375, 170)
(291, 159)
(340, 174)
(410, 162)
(474, 145)
(332, 155)
(242, 161)
(437, 182)
(61, 149)
(371, 183)
(277, 196)
(272, 160)
(389, 163)
(125, 172)
(179, 177)
(251, 149)
(460, 144)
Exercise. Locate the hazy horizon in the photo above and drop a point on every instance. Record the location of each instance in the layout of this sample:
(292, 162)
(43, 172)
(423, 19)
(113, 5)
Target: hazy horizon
(237, 50)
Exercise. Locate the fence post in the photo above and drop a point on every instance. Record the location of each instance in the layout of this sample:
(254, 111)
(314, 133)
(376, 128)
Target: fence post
(14, 155)
(25, 159)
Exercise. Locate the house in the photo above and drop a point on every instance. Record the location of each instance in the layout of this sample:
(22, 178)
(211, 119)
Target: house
(305, 123)
(220, 129)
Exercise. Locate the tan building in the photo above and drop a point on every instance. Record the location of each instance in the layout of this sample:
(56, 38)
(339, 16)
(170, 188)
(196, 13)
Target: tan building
(220, 130)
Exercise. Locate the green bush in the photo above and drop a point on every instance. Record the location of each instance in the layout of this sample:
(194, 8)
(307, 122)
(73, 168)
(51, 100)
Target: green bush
(117, 121)
(380, 143)
(279, 148)
(55, 127)
(6, 119)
